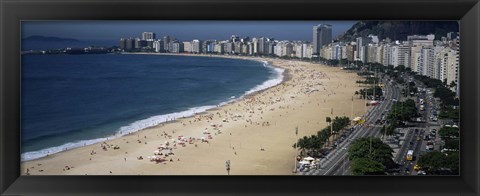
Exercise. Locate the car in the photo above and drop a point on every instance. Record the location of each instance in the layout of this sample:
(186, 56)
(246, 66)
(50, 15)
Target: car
(430, 146)
(416, 167)
(421, 173)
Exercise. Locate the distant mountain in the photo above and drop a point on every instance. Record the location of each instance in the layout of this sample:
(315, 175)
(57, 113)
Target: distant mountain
(399, 30)
(49, 39)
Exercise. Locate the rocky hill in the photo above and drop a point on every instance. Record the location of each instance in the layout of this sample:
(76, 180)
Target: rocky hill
(399, 30)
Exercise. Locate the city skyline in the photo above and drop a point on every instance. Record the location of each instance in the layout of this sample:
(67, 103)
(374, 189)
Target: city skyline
(111, 30)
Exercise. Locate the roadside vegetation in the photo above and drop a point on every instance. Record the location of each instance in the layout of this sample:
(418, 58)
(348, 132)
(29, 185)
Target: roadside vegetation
(370, 156)
(316, 142)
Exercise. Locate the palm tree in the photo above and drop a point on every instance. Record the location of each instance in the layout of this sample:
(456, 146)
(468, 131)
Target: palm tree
(453, 84)
(301, 143)
(383, 131)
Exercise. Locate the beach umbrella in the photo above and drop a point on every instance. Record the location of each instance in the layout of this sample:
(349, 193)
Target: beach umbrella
(308, 159)
(304, 162)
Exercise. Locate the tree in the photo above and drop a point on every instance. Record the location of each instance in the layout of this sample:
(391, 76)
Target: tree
(452, 84)
(453, 162)
(449, 132)
(453, 144)
(383, 131)
(449, 112)
(372, 148)
(365, 166)
(302, 143)
(437, 162)
(313, 142)
(432, 161)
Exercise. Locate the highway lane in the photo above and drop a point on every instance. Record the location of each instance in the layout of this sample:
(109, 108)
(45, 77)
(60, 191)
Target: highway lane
(423, 130)
(336, 162)
(410, 142)
(344, 168)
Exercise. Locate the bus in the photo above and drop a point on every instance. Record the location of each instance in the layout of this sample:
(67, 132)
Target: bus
(410, 155)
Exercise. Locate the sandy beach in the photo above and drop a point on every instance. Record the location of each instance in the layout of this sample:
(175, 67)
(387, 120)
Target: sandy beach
(255, 133)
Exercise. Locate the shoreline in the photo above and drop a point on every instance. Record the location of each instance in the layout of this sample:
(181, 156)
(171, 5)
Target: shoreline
(119, 133)
(291, 84)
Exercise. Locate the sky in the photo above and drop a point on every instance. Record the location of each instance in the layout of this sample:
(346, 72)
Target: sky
(182, 30)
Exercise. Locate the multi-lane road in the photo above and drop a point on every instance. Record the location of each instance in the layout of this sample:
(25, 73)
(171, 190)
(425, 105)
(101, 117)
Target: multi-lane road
(336, 162)
(415, 139)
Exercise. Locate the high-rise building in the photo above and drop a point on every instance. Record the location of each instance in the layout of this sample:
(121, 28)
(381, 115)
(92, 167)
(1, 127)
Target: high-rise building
(140, 43)
(298, 49)
(238, 46)
(270, 44)
(219, 48)
(207, 46)
(416, 43)
(122, 43)
(197, 46)
(362, 49)
(158, 46)
(130, 44)
(250, 48)
(148, 36)
(255, 45)
(234, 38)
(228, 47)
(322, 35)
(246, 48)
(403, 55)
(166, 43)
(262, 46)
(210, 46)
(176, 46)
(187, 47)
(351, 52)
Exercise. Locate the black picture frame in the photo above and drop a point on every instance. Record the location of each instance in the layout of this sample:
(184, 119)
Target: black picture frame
(467, 12)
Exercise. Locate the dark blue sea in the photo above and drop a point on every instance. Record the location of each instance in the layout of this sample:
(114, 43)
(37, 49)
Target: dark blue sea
(72, 100)
(48, 45)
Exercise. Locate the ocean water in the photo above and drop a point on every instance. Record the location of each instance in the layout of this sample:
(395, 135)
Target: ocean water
(48, 45)
(73, 100)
